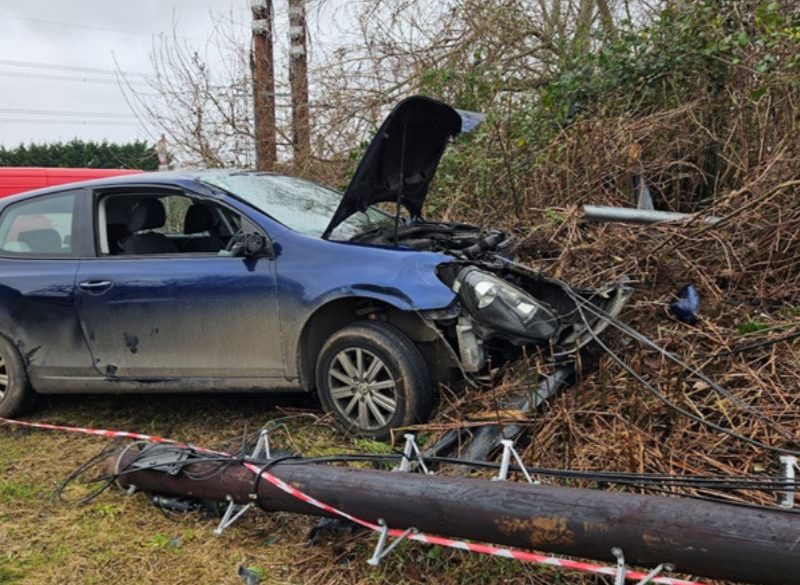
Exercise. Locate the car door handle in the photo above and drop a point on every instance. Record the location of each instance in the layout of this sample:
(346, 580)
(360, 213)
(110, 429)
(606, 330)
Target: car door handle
(95, 285)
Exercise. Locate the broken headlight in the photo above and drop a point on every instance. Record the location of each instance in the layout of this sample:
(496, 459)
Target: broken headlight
(499, 305)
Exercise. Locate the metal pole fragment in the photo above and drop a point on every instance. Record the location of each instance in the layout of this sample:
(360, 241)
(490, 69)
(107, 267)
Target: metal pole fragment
(603, 213)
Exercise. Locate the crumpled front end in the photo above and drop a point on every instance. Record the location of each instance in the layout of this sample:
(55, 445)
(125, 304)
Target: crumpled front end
(505, 307)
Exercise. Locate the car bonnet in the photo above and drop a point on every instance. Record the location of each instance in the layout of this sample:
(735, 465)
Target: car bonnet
(402, 158)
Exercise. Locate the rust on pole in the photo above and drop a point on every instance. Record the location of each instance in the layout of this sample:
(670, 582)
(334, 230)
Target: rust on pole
(263, 71)
(298, 79)
(715, 540)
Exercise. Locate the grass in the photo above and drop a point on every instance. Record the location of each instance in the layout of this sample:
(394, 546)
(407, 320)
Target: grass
(120, 538)
(751, 326)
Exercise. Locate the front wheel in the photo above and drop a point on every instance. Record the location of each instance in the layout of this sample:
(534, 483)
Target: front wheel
(373, 379)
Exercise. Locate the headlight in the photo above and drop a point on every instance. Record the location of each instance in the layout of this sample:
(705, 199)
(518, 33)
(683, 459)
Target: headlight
(502, 306)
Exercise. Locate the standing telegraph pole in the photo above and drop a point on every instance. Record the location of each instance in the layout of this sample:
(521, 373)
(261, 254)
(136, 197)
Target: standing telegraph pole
(298, 78)
(262, 66)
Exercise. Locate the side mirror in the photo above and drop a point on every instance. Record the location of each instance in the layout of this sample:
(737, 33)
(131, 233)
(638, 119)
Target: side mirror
(252, 245)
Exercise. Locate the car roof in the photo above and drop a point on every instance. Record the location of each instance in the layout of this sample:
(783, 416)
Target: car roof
(179, 178)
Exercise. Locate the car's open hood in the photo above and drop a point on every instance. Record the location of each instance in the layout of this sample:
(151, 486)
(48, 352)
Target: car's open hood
(401, 160)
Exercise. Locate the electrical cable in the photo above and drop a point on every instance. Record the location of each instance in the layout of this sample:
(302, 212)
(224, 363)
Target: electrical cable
(664, 399)
(60, 490)
(53, 77)
(752, 346)
(34, 112)
(76, 68)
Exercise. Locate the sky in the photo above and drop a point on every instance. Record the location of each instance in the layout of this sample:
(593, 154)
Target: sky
(57, 62)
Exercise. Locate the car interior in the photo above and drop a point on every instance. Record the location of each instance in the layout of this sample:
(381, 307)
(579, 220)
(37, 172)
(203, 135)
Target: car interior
(148, 223)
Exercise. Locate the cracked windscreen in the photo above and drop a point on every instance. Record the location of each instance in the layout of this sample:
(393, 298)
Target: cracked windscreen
(301, 205)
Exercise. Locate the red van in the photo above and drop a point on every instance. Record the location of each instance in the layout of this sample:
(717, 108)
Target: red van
(18, 179)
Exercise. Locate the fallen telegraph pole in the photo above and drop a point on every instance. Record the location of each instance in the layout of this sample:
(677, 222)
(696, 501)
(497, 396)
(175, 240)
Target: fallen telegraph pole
(715, 540)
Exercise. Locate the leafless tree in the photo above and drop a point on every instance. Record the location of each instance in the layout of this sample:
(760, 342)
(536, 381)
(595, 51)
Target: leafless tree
(364, 56)
(200, 98)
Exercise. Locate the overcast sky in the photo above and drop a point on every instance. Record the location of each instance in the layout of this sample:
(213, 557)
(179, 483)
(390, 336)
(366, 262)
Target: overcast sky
(46, 94)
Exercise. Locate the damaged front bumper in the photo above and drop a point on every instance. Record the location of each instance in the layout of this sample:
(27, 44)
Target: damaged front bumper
(505, 308)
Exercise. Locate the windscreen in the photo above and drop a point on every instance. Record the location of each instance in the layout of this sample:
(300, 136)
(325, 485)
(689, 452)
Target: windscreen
(301, 205)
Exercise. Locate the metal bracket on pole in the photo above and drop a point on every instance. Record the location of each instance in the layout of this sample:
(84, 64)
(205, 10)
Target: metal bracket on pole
(232, 513)
(262, 446)
(411, 451)
(505, 461)
(789, 467)
(622, 569)
(381, 550)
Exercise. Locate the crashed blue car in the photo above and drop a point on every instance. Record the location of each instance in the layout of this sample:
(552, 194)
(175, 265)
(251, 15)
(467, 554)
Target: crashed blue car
(225, 280)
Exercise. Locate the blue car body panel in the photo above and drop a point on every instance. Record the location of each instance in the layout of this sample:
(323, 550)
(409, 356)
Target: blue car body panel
(202, 319)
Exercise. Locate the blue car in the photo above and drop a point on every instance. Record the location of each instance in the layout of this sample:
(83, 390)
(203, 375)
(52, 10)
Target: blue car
(224, 280)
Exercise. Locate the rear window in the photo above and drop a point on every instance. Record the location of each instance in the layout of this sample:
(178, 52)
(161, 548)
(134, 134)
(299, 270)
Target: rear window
(39, 227)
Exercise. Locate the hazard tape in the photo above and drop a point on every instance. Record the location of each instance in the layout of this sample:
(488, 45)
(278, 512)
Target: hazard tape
(484, 549)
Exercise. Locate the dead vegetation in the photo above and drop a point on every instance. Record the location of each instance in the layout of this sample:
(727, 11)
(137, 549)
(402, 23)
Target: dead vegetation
(747, 269)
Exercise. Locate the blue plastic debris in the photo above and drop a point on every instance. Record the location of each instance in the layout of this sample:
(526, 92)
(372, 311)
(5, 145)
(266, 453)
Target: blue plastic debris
(686, 307)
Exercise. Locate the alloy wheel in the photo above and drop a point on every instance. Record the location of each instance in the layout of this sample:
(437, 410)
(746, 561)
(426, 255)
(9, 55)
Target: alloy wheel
(362, 388)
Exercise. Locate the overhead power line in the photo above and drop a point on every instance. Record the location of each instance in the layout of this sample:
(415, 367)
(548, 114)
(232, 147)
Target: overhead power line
(70, 122)
(33, 112)
(53, 77)
(61, 67)
(90, 26)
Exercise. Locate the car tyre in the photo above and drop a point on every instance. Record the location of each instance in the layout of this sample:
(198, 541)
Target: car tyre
(16, 394)
(372, 378)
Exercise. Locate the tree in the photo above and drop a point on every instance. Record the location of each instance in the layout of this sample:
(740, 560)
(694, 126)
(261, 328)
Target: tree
(82, 154)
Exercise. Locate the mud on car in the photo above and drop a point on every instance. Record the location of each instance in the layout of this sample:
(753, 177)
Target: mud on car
(226, 280)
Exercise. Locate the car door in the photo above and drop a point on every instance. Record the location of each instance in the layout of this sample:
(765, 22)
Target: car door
(42, 239)
(181, 315)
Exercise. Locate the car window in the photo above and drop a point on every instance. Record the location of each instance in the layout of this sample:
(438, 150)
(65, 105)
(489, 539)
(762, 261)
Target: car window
(39, 227)
(135, 224)
(301, 205)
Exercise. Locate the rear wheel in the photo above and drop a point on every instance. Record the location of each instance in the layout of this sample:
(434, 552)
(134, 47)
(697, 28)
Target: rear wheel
(372, 378)
(16, 395)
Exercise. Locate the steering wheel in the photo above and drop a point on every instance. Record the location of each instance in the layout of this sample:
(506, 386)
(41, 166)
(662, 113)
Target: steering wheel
(235, 238)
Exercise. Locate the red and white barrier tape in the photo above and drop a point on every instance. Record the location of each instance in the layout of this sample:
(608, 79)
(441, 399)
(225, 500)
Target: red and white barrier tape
(485, 549)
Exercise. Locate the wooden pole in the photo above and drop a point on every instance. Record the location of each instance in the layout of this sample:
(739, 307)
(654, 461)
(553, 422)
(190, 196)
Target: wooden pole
(298, 78)
(262, 67)
(715, 540)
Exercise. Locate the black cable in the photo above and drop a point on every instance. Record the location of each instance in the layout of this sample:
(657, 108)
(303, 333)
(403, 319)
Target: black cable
(715, 482)
(643, 339)
(638, 336)
(269, 465)
(58, 492)
(752, 346)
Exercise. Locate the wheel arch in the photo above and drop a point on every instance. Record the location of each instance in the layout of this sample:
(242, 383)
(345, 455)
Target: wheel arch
(340, 312)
